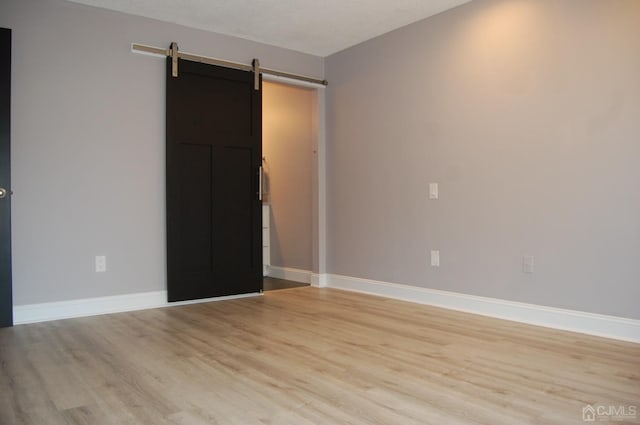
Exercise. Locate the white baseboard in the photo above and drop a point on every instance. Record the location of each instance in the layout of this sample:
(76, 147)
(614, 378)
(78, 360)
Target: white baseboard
(551, 317)
(44, 312)
(288, 273)
(319, 280)
(576, 321)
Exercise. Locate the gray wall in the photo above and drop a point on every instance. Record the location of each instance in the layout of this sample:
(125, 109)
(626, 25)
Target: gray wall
(287, 143)
(88, 144)
(527, 113)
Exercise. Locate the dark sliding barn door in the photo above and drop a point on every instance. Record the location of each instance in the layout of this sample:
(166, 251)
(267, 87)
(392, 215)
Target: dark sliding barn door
(214, 151)
(6, 303)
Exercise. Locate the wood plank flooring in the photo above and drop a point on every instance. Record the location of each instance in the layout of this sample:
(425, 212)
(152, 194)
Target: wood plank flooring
(308, 356)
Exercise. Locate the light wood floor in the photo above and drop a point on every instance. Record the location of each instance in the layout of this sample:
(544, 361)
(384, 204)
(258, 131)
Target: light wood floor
(307, 356)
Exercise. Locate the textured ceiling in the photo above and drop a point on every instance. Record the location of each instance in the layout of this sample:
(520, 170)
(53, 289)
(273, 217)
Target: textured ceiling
(320, 27)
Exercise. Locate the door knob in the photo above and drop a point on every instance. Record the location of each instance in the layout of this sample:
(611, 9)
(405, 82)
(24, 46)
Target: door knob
(3, 192)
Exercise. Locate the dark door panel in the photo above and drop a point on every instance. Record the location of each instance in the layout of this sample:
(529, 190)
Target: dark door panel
(214, 150)
(6, 302)
(195, 208)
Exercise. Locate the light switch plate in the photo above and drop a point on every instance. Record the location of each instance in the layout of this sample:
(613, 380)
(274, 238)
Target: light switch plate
(433, 190)
(435, 258)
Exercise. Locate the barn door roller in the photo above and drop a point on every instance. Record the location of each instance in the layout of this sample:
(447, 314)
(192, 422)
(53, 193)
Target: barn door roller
(174, 58)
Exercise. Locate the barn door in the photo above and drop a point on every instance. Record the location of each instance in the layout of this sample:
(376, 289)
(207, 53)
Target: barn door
(214, 154)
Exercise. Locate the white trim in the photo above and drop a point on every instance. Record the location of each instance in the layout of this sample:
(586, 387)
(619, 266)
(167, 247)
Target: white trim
(288, 273)
(321, 194)
(32, 313)
(551, 317)
(319, 280)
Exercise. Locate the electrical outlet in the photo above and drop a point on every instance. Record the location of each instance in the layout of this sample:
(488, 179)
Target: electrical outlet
(435, 258)
(101, 263)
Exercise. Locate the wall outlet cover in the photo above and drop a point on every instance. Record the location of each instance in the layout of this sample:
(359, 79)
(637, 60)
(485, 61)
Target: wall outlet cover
(101, 263)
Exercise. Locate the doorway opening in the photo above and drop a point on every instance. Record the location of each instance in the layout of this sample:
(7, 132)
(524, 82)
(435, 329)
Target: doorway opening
(290, 189)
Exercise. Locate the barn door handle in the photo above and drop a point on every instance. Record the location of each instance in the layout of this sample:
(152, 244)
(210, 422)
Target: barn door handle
(259, 183)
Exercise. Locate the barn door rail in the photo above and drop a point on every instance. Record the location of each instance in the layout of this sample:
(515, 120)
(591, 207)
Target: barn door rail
(255, 67)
